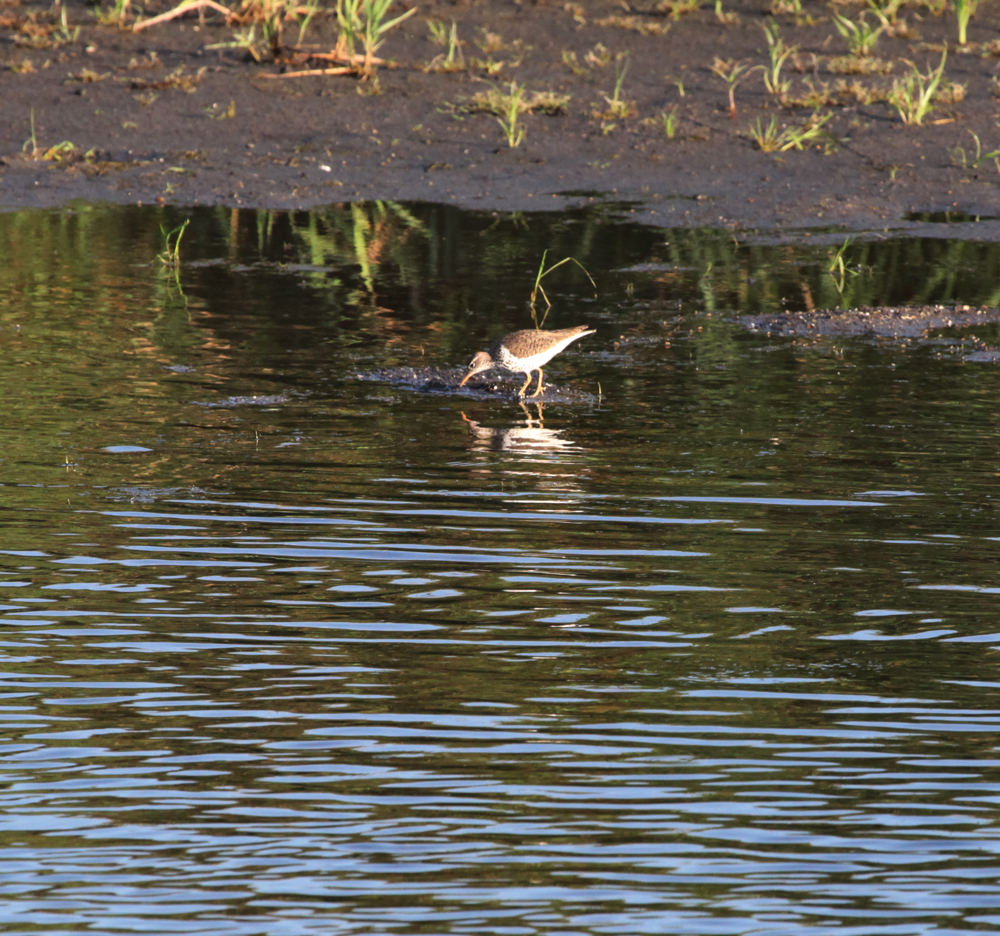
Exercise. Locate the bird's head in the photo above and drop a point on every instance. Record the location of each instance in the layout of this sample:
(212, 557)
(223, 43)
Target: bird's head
(482, 361)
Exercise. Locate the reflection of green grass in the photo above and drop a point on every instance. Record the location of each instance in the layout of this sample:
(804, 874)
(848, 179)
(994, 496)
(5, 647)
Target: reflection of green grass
(386, 242)
(706, 269)
(365, 234)
(366, 248)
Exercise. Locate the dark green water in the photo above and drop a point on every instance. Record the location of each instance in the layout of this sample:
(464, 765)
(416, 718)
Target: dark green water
(711, 651)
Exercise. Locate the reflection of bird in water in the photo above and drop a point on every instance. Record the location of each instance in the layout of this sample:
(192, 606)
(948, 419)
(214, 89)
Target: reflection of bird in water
(525, 351)
(532, 436)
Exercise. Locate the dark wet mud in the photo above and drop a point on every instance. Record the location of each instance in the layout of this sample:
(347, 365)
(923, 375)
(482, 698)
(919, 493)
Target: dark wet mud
(480, 387)
(902, 322)
(180, 114)
(236, 401)
(950, 330)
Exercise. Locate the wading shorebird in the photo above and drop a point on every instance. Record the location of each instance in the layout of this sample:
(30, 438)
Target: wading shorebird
(524, 352)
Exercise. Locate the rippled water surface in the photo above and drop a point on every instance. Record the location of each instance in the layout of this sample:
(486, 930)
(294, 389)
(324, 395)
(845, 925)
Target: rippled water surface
(710, 648)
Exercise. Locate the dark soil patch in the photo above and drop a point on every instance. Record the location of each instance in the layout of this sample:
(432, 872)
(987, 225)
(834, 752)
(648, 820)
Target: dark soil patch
(156, 116)
(950, 329)
(902, 322)
(480, 387)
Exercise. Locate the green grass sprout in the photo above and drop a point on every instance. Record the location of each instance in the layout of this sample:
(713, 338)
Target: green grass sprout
(912, 94)
(732, 73)
(539, 290)
(964, 10)
(861, 36)
(171, 254)
(771, 139)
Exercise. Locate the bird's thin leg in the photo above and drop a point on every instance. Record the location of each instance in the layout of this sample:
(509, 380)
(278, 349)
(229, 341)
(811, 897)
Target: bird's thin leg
(525, 387)
(538, 389)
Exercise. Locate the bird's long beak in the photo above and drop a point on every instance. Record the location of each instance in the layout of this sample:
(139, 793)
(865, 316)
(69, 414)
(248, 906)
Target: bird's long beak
(466, 377)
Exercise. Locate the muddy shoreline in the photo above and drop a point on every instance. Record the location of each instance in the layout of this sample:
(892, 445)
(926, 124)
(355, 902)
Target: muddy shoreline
(229, 130)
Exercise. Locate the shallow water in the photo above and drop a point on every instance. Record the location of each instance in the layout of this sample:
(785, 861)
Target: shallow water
(712, 650)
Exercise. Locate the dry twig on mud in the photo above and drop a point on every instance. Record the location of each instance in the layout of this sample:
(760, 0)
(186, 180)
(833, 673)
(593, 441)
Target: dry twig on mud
(187, 7)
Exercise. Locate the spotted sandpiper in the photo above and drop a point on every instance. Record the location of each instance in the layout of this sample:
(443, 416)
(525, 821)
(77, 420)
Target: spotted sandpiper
(524, 352)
